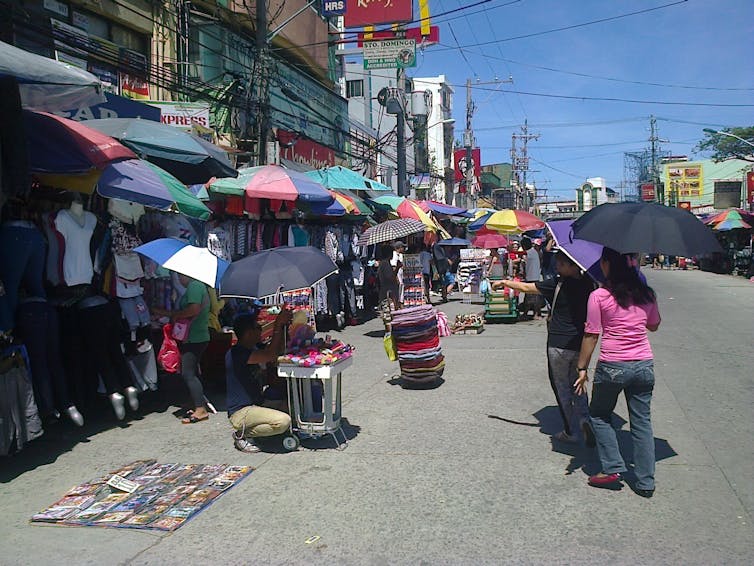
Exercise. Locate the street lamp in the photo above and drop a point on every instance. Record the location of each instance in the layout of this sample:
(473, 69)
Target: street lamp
(446, 121)
(724, 133)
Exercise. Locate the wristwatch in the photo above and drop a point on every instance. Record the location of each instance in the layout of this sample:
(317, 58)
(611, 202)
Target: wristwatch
(582, 369)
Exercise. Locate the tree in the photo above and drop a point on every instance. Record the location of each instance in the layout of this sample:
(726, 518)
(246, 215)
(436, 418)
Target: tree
(725, 144)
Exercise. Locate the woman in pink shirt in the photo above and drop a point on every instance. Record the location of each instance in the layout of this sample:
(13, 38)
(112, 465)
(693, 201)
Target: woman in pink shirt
(622, 311)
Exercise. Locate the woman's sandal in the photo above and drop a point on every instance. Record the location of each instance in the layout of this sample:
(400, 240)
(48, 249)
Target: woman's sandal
(192, 419)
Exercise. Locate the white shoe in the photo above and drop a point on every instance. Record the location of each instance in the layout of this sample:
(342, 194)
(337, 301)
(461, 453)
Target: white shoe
(245, 445)
(74, 415)
(118, 402)
(132, 394)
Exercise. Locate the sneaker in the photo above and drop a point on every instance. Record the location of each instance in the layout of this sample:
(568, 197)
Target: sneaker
(118, 402)
(245, 445)
(566, 438)
(132, 394)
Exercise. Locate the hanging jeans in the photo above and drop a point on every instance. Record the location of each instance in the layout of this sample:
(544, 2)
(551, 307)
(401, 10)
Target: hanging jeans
(22, 261)
(191, 355)
(99, 326)
(38, 327)
(333, 294)
(347, 290)
(19, 419)
(636, 379)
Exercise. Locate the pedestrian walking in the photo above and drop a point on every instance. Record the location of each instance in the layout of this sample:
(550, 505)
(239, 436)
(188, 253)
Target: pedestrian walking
(568, 294)
(622, 312)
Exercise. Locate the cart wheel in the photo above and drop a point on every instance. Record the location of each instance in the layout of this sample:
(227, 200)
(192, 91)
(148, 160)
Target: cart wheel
(291, 443)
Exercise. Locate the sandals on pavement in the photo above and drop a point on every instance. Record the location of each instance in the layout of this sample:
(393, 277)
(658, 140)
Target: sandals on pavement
(193, 419)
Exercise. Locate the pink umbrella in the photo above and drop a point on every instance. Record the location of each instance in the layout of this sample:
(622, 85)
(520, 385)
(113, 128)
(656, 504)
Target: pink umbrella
(489, 240)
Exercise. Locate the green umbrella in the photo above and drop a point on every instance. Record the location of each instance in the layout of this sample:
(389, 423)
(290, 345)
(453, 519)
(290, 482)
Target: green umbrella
(185, 201)
(389, 200)
(343, 178)
(359, 202)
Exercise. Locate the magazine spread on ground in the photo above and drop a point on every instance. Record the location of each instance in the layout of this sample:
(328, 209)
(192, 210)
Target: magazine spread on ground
(167, 496)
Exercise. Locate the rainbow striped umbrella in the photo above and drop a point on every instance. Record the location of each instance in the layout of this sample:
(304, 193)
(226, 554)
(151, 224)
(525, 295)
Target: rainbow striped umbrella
(508, 221)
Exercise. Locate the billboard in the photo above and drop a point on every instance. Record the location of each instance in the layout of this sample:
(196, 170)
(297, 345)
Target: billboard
(685, 181)
(361, 13)
(727, 194)
(648, 193)
(459, 161)
(183, 115)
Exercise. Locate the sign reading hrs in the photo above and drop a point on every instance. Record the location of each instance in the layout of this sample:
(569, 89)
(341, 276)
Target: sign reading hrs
(333, 7)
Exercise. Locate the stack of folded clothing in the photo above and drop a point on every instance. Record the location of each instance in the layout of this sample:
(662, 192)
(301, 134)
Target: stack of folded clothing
(418, 344)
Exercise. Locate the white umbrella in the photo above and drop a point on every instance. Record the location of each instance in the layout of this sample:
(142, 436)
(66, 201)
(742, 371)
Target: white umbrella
(182, 257)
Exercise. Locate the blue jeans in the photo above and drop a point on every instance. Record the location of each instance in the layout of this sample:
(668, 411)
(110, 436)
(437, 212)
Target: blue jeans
(636, 380)
(22, 262)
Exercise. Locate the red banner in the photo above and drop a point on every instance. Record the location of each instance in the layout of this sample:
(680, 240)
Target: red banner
(648, 192)
(750, 187)
(411, 33)
(685, 205)
(304, 151)
(459, 160)
(360, 13)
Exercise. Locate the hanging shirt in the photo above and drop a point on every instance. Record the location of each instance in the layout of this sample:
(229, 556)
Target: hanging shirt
(77, 259)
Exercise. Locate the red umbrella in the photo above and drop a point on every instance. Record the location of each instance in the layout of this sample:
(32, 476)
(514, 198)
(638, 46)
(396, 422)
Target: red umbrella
(489, 240)
(59, 145)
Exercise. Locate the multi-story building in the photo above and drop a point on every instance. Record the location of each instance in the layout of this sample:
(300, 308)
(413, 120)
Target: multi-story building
(594, 192)
(704, 186)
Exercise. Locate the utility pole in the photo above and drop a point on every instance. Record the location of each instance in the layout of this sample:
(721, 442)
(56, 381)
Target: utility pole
(401, 133)
(263, 86)
(468, 139)
(520, 163)
(653, 139)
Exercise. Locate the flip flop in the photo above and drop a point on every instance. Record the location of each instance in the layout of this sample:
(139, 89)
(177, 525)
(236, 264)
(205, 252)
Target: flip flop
(191, 419)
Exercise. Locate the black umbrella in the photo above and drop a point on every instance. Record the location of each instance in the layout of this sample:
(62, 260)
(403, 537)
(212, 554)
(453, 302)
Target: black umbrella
(632, 227)
(266, 273)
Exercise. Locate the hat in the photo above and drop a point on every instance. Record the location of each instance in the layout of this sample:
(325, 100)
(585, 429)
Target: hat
(398, 244)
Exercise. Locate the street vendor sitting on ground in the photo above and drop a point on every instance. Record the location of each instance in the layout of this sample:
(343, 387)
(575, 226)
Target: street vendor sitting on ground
(248, 410)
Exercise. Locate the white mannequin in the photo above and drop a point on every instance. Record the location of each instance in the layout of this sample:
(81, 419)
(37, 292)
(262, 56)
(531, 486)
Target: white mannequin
(76, 225)
(77, 210)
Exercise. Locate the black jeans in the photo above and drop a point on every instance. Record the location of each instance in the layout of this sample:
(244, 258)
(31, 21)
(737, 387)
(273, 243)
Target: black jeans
(101, 335)
(191, 355)
(38, 327)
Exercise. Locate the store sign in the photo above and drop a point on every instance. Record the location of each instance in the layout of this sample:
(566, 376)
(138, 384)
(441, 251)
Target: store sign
(390, 54)
(685, 181)
(183, 115)
(114, 107)
(360, 13)
(301, 104)
(750, 187)
(648, 192)
(410, 33)
(333, 8)
(304, 152)
(57, 7)
(133, 87)
(685, 205)
(727, 194)
(459, 159)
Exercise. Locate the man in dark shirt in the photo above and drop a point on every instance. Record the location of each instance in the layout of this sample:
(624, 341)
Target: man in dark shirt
(245, 382)
(568, 295)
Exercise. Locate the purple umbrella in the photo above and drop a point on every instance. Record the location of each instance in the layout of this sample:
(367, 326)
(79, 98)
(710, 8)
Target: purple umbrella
(585, 254)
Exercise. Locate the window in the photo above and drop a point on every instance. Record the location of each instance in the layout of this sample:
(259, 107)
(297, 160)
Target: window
(354, 89)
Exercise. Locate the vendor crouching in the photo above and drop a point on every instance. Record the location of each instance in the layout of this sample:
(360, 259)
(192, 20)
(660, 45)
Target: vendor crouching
(249, 411)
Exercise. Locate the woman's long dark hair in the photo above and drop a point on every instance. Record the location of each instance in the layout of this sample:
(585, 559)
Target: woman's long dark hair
(623, 280)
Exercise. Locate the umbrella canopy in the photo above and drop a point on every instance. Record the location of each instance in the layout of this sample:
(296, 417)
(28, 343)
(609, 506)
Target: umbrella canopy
(390, 230)
(279, 269)
(140, 181)
(181, 257)
(441, 208)
(455, 242)
(489, 240)
(508, 221)
(392, 201)
(630, 227)
(46, 84)
(273, 182)
(411, 209)
(357, 201)
(343, 178)
(731, 220)
(583, 253)
(190, 158)
(345, 202)
(59, 145)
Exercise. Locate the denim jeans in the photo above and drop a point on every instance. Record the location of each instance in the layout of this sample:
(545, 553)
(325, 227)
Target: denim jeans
(22, 262)
(574, 409)
(636, 380)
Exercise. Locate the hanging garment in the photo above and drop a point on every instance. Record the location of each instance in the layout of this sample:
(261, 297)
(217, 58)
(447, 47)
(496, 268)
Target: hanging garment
(55, 250)
(122, 240)
(125, 211)
(78, 268)
(19, 419)
(22, 261)
(144, 369)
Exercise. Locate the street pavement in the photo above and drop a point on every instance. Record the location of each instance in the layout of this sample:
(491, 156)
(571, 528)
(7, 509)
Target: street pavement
(463, 474)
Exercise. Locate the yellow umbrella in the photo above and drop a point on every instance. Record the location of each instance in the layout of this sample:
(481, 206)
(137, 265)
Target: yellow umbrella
(345, 202)
(83, 183)
(411, 209)
(508, 221)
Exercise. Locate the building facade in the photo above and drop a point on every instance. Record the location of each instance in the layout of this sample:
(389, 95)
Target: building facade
(594, 192)
(705, 186)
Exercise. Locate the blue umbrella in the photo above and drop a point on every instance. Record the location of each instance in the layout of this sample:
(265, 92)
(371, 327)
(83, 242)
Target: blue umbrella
(181, 257)
(455, 242)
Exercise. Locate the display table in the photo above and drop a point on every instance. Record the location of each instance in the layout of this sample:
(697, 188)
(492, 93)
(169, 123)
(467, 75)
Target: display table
(314, 395)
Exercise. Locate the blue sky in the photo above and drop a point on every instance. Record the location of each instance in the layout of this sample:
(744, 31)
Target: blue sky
(698, 43)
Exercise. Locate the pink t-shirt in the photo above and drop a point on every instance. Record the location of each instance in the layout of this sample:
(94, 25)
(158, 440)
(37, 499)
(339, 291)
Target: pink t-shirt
(624, 331)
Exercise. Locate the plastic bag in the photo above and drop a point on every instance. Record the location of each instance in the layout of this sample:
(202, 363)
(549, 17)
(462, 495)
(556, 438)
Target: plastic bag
(443, 327)
(389, 343)
(169, 356)
(484, 286)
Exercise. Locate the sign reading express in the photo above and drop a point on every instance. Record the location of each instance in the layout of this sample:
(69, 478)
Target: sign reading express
(360, 13)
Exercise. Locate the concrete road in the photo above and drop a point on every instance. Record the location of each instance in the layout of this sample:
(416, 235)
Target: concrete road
(463, 474)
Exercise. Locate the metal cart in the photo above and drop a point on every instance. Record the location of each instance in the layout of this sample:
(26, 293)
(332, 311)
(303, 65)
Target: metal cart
(314, 399)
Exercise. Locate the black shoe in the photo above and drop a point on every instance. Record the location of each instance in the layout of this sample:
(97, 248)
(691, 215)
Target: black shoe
(646, 493)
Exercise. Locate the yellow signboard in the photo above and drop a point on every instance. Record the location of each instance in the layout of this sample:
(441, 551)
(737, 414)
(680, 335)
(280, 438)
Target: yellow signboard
(685, 180)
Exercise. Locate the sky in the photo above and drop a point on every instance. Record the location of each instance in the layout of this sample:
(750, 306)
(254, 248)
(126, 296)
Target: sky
(705, 44)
